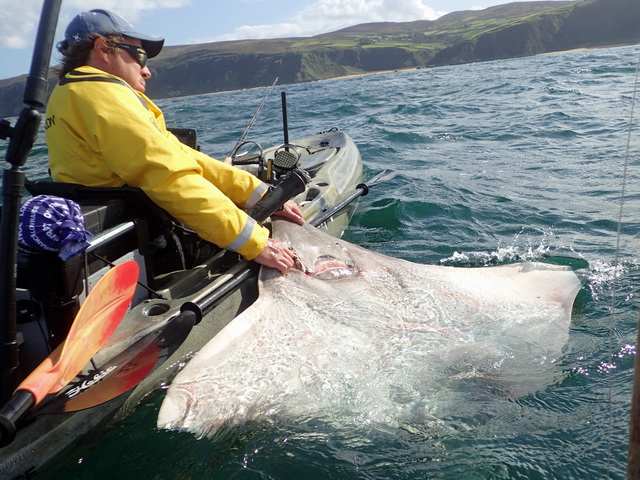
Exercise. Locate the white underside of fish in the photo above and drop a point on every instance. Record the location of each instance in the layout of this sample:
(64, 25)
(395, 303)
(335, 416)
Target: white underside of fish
(358, 337)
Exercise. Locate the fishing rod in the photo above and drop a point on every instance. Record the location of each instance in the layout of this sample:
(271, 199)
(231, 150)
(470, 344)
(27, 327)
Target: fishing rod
(633, 451)
(253, 119)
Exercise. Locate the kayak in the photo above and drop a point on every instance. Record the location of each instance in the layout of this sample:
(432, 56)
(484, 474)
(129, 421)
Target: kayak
(332, 161)
(183, 292)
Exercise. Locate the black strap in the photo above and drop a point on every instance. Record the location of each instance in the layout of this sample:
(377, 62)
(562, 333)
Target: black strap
(77, 76)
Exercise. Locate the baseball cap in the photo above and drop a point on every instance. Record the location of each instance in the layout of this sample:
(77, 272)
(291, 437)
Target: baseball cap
(105, 22)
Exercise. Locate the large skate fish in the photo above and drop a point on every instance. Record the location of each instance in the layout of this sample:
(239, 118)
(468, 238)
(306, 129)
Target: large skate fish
(359, 337)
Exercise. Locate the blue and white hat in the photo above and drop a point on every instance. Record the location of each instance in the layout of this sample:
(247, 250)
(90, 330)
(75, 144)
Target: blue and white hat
(106, 22)
(52, 224)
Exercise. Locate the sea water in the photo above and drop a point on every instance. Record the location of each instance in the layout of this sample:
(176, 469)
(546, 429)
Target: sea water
(525, 159)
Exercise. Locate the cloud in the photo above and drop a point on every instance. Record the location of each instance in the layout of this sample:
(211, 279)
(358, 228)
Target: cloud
(19, 20)
(129, 9)
(329, 15)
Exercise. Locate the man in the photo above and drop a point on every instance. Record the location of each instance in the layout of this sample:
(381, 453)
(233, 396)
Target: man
(102, 130)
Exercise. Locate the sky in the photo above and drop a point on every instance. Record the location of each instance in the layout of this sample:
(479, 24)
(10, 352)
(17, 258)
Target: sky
(184, 22)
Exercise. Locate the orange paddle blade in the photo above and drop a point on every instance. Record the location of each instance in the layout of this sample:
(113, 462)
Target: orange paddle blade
(122, 378)
(99, 316)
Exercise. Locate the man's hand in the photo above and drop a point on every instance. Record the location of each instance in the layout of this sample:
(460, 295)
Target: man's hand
(276, 255)
(291, 211)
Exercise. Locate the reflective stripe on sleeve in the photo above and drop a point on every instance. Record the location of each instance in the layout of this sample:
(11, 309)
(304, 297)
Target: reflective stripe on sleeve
(244, 236)
(256, 195)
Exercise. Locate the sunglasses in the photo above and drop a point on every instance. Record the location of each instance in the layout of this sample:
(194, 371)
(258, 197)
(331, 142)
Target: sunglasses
(138, 53)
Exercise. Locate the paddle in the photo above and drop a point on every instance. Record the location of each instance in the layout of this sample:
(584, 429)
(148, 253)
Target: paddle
(361, 190)
(126, 370)
(99, 316)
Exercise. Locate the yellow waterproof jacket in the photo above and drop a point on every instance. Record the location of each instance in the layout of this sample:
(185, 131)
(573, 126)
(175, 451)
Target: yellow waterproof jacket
(101, 132)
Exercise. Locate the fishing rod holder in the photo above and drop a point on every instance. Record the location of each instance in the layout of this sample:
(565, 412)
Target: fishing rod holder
(294, 183)
(21, 137)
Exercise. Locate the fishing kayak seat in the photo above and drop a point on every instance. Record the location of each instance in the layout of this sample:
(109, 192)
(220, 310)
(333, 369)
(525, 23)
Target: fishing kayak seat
(166, 244)
(285, 159)
(137, 202)
(125, 224)
(56, 287)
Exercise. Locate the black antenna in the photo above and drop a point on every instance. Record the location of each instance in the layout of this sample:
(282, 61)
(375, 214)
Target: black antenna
(285, 125)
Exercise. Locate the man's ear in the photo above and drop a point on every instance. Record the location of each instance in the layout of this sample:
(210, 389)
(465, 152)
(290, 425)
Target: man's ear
(101, 50)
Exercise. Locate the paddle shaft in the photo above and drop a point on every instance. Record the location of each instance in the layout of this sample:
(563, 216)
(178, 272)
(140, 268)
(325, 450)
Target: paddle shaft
(99, 316)
(360, 191)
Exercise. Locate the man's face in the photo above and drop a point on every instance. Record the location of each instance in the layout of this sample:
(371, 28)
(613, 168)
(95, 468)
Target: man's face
(125, 66)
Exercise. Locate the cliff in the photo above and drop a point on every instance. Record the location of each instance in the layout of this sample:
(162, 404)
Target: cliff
(588, 24)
